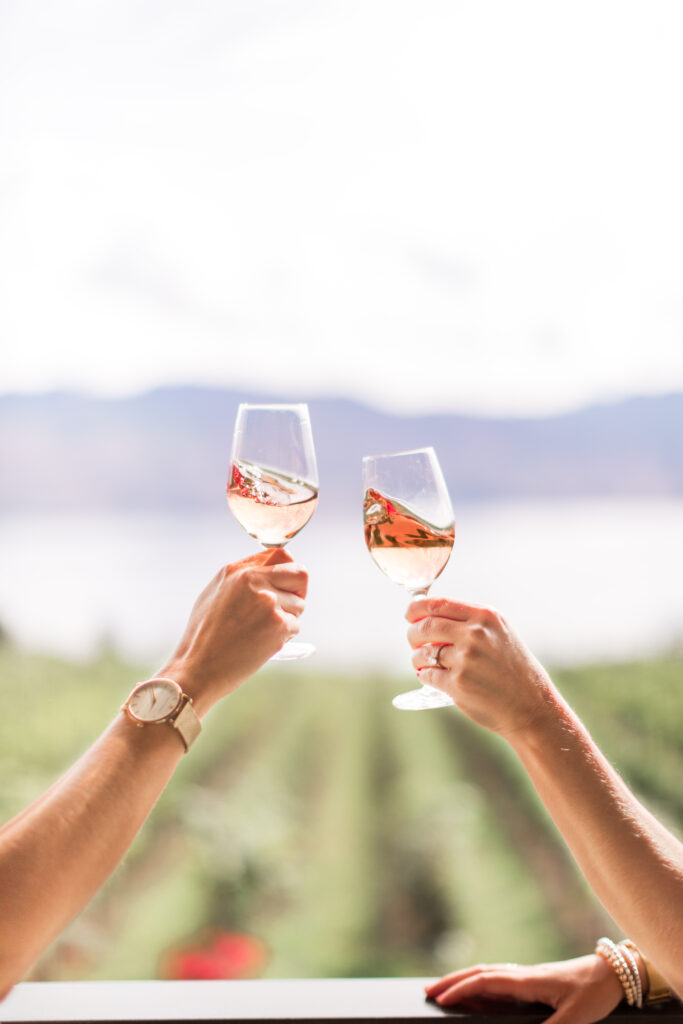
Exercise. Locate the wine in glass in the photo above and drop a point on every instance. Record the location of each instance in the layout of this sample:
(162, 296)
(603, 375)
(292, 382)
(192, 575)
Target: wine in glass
(409, 531)
(273, 483)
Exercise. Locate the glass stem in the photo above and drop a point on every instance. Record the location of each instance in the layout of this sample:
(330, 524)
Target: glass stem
(421, 595)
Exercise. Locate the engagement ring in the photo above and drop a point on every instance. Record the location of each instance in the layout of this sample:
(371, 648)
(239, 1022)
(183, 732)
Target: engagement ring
(434, 659)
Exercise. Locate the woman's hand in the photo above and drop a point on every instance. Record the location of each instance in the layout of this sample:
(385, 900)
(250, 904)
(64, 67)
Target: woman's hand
(491, 676)
(580, 991)
(245, 614)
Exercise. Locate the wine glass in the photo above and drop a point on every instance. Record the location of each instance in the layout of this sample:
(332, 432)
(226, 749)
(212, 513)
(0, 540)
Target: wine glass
(273, 483)
(409, 531)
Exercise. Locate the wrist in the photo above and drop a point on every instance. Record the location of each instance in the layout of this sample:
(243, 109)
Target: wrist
(192, 682)
(603, 972)
(161, 701)
(551, 725)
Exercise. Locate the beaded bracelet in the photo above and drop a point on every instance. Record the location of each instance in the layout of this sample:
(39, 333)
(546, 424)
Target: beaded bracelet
(625, 969)
(626, 948)
(658, 988)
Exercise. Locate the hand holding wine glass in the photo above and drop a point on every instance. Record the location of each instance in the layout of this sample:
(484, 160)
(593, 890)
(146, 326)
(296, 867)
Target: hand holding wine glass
(409, 531)
(273, 483)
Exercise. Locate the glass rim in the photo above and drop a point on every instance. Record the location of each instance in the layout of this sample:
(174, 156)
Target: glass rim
(273, 405)
(396, 455)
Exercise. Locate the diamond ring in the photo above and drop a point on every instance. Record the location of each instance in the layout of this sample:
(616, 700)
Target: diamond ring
(434, 658)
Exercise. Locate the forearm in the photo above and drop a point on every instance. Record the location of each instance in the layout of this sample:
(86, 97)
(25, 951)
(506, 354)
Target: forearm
(633, 864)
(57, 853)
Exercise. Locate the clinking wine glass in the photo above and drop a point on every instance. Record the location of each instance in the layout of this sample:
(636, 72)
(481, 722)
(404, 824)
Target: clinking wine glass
(409, 531)
(273, 483)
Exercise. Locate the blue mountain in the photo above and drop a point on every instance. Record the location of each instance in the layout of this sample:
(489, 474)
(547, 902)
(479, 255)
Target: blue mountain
(169, 450)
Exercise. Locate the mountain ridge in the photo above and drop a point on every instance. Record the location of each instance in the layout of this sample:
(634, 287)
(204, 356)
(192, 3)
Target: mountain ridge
(169, 449)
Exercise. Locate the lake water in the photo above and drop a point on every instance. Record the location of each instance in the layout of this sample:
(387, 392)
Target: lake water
(580, 580)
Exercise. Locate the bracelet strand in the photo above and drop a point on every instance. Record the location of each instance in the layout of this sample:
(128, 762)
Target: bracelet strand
(614, 956)
(626, 947)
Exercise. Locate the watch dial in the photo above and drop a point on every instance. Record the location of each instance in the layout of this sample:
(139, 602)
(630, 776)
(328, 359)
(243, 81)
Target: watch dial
(154, 700)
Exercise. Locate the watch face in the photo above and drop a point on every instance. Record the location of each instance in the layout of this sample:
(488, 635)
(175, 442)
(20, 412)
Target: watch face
(155, 700)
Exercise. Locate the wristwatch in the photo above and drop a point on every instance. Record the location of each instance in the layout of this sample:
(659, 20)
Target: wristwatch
(658, 988)
(161, 700)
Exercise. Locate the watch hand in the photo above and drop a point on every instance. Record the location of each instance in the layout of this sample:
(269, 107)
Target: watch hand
(154, 696)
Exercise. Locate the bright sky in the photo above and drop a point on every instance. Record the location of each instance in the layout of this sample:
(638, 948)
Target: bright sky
(464, 206)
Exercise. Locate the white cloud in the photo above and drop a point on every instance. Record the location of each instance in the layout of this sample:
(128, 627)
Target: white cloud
(468, 205)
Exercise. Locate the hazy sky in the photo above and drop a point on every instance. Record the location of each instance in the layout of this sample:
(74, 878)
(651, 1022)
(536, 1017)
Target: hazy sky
(471, 206)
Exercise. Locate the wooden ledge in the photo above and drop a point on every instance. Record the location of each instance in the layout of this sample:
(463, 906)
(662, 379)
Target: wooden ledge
(399, 1000)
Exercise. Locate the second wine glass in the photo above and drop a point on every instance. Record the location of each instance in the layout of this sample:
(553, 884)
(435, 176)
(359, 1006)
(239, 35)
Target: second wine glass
(409, 531)
(273, 483)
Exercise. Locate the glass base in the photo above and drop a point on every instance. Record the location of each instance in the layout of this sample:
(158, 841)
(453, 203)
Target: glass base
(294, 650)
(424, 699)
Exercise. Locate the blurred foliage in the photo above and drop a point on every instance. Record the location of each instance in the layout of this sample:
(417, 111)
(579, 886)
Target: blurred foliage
(348, 838)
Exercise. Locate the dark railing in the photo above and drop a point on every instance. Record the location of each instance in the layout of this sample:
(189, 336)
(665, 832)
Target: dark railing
(352, 1001)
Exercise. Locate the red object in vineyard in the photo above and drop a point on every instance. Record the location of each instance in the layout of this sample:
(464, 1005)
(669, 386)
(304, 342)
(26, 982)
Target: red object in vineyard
(217, 956)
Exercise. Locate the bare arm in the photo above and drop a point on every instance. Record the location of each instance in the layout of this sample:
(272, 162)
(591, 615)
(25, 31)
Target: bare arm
(633, 863)
(55, 854)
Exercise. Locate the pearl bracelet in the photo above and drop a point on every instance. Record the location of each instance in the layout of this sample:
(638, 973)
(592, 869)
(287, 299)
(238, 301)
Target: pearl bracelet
(621, 960)
(658, 988)
(626, 948)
